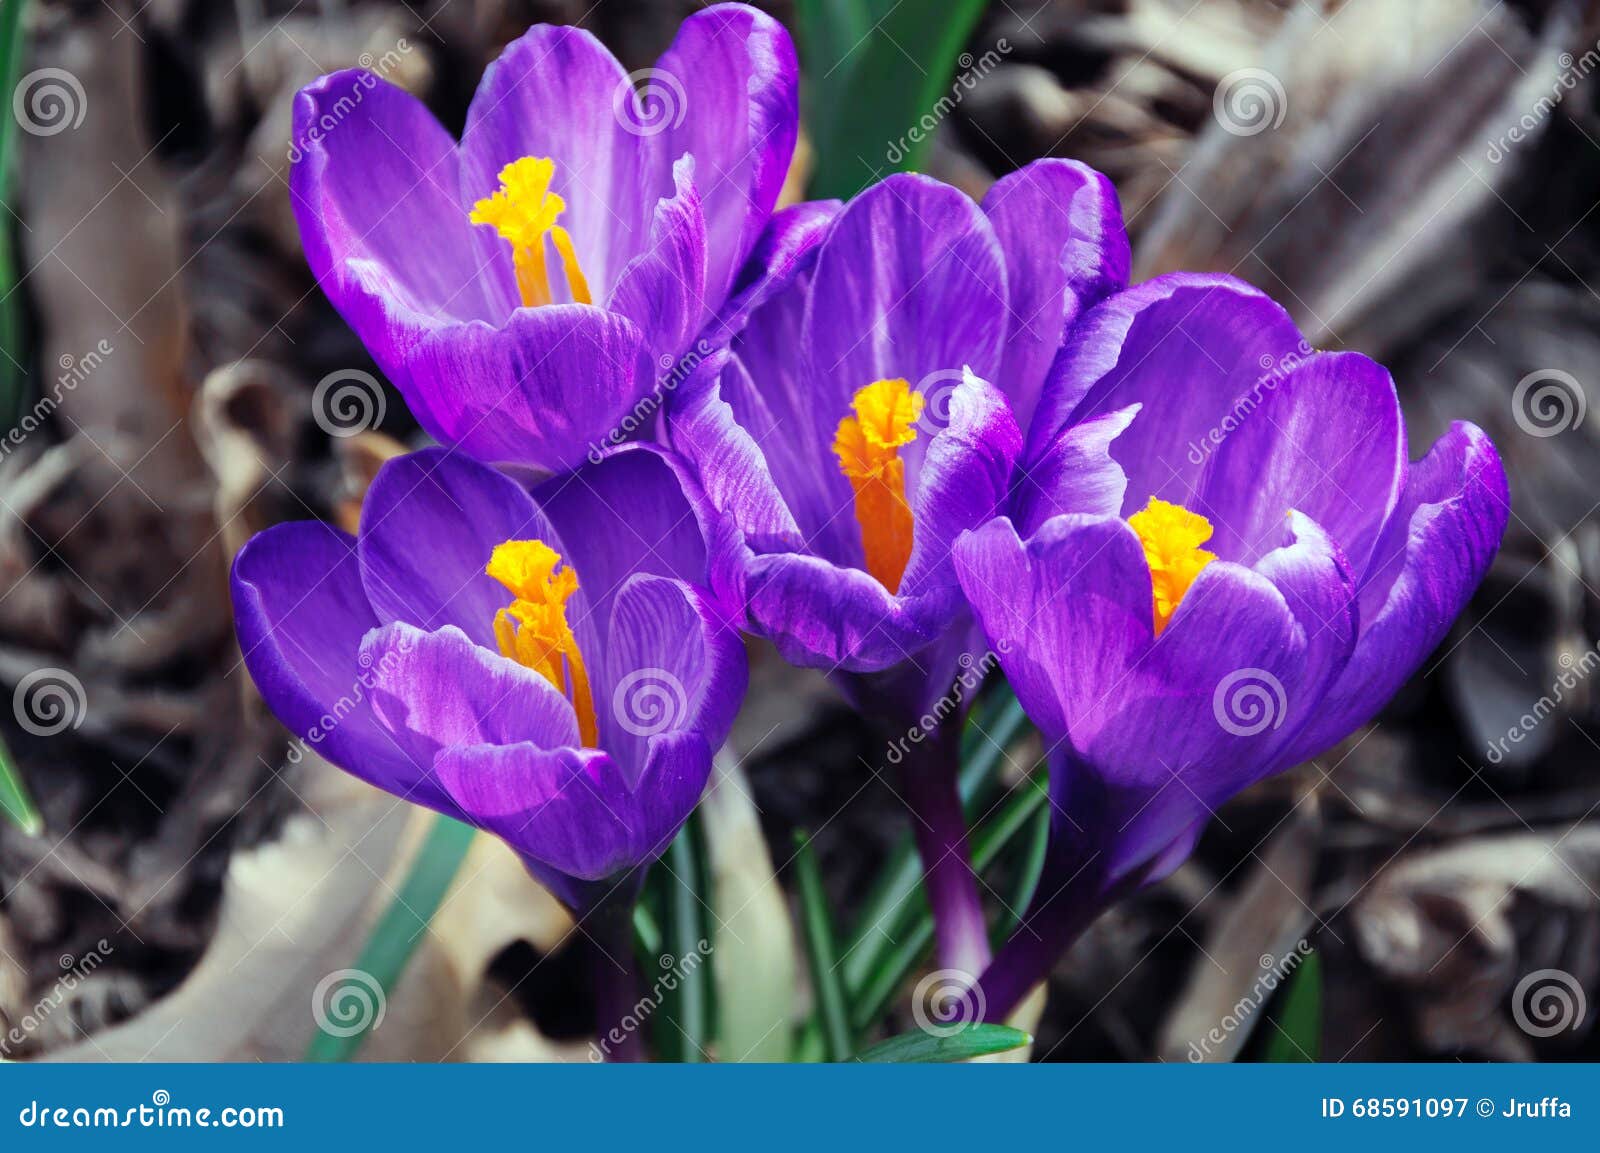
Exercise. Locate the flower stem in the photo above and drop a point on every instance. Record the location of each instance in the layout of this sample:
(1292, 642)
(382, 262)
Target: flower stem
(616, 984)
(940, 830)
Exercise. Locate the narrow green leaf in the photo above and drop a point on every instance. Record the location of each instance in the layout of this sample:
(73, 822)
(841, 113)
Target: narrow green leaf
(1298, 1020)
(863, 116)
(401, 928)
(962, 1045)
(830, 31)
(832, 1010)
(12, 353)
(688, 1009)
(14, 799)
(647, 938)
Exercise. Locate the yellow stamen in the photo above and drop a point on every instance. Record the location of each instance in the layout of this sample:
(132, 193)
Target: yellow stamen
(868, 447)
(1172, 536)
(533, 631)
(523, 210)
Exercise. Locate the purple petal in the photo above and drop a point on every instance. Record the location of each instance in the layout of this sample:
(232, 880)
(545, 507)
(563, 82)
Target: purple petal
(556, 92)
(1076, 474)
(440, 691)
(568, 809)
(674, 777)
(785, 251)
(671, 666)
(663, 290)
(821, 616)
(732, 477)
(547, 389)
(772, 399)
(1204, 712)
(1433, 552)
(1329, 442)
(429, 523)
(624, 515)
(1060, 226)
(962, 480)
(301, 617)
(1068, 612)
(1210, 339)
(1156, 732)
(730, 98)
(909, 284)
(374, 189)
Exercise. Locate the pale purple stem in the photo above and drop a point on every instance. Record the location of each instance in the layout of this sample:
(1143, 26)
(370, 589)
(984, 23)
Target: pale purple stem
(619, 1034)
(940, 828)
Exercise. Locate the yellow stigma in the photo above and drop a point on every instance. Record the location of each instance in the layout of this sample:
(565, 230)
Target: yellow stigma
(1172, 536)
(533, 631)
(523, 210)
(868, 447)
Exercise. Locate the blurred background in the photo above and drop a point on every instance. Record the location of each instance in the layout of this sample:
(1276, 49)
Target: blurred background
(1417, 181)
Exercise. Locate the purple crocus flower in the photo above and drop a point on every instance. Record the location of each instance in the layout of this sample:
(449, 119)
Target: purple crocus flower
(849, 433)
(539, 666)
(1220, 564)
(524, 287)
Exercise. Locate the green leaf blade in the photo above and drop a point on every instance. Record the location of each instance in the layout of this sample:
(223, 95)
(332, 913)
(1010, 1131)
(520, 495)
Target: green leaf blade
(978, 1040)
(864, 113)
(401, 928)
(1297, 1033)
(833, 1013)
(15, 800)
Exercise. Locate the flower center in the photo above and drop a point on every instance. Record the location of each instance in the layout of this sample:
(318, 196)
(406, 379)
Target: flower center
(868, 447)
(1172, 536)
(524, 211)
(533, 631)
